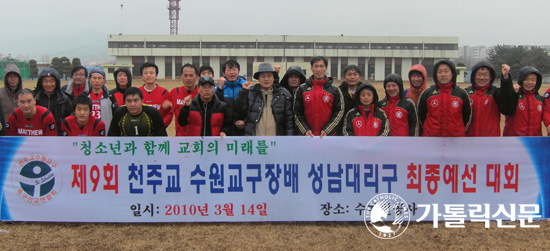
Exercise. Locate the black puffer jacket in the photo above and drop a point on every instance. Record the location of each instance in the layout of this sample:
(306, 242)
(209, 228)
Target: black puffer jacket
(249, 103)
(58, 103)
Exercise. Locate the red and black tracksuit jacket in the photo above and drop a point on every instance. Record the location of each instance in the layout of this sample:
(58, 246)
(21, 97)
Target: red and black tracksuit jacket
(359, 123)
(318, 106)
(444, 111)
(527, 118)
(205, 119)
(178, 94)
(401, 113)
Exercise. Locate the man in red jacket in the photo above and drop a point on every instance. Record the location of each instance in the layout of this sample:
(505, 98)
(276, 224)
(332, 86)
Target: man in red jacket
(487, 99)
(189, 88)
(30, 119)
(444, 109)
(82, 123)
(318, 105)
(154, 94)
(400, 110)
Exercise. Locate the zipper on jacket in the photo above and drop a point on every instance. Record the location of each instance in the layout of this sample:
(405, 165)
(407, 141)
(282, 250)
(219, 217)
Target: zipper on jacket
(205, 106)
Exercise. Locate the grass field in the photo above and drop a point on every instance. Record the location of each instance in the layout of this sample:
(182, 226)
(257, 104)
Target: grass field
(270, 236)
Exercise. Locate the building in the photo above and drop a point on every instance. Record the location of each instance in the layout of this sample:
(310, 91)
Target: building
(471, 55)
(377, 56)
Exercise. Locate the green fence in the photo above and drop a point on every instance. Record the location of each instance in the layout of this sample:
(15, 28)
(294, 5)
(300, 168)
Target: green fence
(24, 67)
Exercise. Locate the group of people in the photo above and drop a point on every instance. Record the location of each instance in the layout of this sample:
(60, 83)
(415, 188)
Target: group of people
(291, 105)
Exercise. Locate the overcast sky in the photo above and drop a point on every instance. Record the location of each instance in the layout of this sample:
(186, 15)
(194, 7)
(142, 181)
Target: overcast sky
(77, 28)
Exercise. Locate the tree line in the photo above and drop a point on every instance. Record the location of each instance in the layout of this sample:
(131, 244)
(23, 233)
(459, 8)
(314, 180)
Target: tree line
(519, 56)
(62, 65)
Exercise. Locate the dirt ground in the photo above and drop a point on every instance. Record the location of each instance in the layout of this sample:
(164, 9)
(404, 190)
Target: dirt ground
(271, 236)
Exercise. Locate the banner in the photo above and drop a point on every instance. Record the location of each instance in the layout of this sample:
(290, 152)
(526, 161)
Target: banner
(243, 179)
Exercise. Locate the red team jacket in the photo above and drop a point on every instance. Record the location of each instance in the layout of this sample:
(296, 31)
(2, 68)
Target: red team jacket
(528, 117)
(546, 109)
(318, 106)
(401, 113)
(205, 119)
(41, 124)
(357, 123)
(444, 111)
(527, 112)
(94, 127)
(400, 110)
(486, 103)
(155, 99)
(178, 94)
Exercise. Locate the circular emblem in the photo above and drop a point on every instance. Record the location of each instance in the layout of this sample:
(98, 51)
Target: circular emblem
(399, 114)
(522, 106)
(326, 98)
(434, 103)
(376, 124)
(539, 107)
(387, 216)
(308, 98)
(486, 101)
(454, 104)
(36, 178)
(359, 124)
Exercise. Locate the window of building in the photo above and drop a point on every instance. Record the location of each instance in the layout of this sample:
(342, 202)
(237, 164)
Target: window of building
(168, 67)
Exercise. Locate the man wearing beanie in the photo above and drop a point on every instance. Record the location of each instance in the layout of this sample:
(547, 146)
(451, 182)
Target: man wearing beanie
(104, 104)
(78, 83)
(49, 95)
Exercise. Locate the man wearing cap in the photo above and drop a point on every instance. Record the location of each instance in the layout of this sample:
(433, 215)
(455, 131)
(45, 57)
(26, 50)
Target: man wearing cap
(178, 94)
(30, 119)
(104, 104)
(123, 80)
(136, 119)
(78, 83)
(205, 114)
(12, 84)
(48, 94)
(267, 109)
(318, 105)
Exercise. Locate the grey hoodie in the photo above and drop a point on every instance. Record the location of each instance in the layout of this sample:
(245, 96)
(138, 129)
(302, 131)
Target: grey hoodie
(7, 96)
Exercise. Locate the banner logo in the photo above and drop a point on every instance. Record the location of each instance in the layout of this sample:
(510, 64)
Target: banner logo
(387, 216)
(36, 178)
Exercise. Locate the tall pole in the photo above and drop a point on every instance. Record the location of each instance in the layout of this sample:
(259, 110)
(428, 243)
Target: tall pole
(121, 19)
(174, 15)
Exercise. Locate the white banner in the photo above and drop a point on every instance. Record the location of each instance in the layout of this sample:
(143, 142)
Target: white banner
(192, 179)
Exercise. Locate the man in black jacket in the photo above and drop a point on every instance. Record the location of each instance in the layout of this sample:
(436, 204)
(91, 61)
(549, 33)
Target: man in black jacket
(48, 94)
(267, 109)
